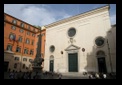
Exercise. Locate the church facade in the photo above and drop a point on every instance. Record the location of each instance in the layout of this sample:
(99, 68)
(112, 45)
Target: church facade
(80, 43)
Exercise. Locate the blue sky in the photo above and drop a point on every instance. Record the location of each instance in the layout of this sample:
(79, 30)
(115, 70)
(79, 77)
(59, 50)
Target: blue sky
(43, 14)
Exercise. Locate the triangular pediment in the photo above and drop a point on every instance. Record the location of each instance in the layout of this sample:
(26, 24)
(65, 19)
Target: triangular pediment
(72, 47)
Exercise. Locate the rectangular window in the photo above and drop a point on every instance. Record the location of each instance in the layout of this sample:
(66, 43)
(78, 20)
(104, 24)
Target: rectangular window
(21, 30)
(25, 51)
(32, 43)
(12, 36)
(31, 52)
(15, 65)
(33, 35)
(27, 41)
(14, 21)
(24, 59)
(28, 33)
(9, 47)
(29, 27)
(30, 60)
(18, 49)
(13, 27)
(16, 58)
(22, 24)
(20, 39)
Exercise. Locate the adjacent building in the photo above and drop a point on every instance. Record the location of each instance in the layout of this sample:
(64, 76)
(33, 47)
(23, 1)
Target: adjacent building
(20, 44)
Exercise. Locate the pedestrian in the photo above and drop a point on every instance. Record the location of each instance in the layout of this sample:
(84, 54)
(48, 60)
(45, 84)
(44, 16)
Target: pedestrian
(104, 76)
(23, 75)
(60, 76)
(97, 76)
(35, 77)
(11, 75)
(29, 75)
(19, 75)
(26, 75)
(15, 75)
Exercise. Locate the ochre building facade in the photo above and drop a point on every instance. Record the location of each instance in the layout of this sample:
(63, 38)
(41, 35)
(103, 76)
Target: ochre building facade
(20, 44)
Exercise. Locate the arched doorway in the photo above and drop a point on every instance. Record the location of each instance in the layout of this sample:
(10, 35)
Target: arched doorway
(101, 62)
(51, 68)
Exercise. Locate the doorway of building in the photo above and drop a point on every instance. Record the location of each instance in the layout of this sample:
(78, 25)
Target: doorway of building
(101, 61)
(6, 66)
(73, 62)
(102, 65)
(51, 66)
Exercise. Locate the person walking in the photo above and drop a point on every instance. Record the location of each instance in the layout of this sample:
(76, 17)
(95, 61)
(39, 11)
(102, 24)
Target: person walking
(60, 76)
(12, 75)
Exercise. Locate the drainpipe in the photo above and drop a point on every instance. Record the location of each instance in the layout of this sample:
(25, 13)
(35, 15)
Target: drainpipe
(109, 56)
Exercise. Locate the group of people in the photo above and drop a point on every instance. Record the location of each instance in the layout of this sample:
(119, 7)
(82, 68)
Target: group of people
(20, 75)
(36, 75)
(95, 75)
(54, 75)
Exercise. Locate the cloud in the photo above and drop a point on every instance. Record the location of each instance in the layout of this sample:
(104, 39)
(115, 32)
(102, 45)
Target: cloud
(35, 14)
(13, 9)
(113, 19)
(40, 14)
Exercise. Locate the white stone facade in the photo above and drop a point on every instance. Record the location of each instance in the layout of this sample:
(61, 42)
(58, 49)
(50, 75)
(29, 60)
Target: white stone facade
(89, 26)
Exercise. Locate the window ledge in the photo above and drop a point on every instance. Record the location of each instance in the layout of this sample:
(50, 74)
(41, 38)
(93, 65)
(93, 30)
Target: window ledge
(8, 51)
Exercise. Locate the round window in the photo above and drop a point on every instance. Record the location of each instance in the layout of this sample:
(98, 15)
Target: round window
(71, 32)
(52, 48)
(99, 41)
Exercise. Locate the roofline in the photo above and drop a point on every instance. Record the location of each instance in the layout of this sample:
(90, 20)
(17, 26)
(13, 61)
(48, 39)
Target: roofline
(75, 16)
(114, 25)
(20, 20)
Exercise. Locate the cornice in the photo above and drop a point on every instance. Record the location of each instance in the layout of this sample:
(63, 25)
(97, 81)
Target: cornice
(85, 14)
(20, 27)
(20, 20)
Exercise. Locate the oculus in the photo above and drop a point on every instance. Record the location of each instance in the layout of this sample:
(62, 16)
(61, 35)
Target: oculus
(100, 41)
(71, 32)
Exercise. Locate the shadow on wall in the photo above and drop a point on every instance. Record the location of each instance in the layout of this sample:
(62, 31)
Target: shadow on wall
(103, 58)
